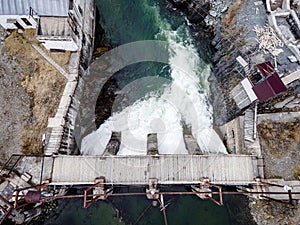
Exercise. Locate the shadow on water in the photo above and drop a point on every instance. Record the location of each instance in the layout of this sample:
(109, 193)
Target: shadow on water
(123, 78)
(181, 210)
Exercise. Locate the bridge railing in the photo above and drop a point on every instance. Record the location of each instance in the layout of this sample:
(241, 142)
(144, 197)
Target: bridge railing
(11, 163)
(14, 161)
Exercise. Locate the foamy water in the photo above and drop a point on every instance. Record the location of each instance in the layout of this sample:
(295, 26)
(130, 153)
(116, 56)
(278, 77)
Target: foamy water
(183, 100)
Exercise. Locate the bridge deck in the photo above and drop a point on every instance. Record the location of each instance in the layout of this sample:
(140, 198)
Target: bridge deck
(168, 169)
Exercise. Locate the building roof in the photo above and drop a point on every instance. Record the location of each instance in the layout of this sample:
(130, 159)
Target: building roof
(41, 7)
(266, 69)
(248, 88)
(269, 87)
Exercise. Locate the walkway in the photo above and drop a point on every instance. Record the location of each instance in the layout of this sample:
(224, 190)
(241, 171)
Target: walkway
(291, 77)
(278, 117)
(168, 169)
(51, 61)
(57, 123)
(295, 184)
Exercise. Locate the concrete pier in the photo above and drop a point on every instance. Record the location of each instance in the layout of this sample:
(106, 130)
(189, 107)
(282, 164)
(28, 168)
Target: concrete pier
(113, 145)
(152, 145)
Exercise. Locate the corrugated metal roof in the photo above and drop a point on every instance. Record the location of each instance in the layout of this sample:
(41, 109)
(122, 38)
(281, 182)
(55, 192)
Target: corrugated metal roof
(42, 7)
(269, 87)
(266, 69)
(264, 91)
(277, 84)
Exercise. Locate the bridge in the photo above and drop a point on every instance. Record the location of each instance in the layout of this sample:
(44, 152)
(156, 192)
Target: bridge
(220, 169)
(167, 169)
(27, 177)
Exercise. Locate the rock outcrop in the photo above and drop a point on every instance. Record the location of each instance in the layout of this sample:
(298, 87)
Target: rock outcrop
(196, 10)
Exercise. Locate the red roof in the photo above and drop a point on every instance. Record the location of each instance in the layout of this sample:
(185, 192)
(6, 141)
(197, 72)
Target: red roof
(269, 87)
(266, 69)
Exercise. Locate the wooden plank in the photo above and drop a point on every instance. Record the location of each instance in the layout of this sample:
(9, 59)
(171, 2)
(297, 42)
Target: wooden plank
(171, 168)
(167, 169)
(219, 169)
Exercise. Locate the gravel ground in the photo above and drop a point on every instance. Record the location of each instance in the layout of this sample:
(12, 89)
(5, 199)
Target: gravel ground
(280, 145)
(271, 213)
(14, 102)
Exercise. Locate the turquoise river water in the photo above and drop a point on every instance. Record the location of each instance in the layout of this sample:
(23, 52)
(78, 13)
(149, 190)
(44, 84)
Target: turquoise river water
(126, 21)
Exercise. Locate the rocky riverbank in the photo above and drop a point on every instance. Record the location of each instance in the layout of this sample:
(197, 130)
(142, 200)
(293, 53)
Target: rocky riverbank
(231, 23)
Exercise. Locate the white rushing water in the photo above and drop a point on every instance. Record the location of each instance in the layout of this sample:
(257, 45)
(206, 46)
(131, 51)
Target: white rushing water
(182, 100)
